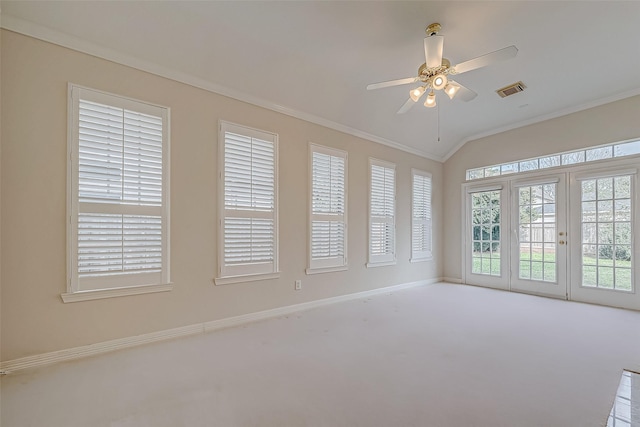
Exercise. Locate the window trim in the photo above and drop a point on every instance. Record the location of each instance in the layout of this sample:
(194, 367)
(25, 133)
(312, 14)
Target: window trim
(115, 292)
(386, 259)
(428, 255)
(222, 277)
(73, 291)
(319, 266)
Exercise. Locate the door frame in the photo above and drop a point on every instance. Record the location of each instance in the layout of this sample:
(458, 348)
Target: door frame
(573, 249)
(490, 281)
(608, 297)
(559, 288)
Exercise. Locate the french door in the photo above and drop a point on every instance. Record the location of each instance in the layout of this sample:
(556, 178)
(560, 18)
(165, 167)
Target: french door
(487, 262)
(567, 235)
(604, 216)
(539, 236)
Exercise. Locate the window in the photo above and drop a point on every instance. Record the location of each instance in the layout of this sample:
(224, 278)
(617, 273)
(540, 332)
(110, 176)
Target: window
(420, 216)
(382, 213)
(118, 198)
(328, 210)
(592, 154)
(248, 205)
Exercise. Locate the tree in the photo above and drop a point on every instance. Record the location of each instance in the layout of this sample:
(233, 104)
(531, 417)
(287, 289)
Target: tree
(485, 218)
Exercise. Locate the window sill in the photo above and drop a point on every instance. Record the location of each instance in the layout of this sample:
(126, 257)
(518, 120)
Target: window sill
(112, 293)
(321, 270)
(380, 264)
(245, 278)
(412, 260)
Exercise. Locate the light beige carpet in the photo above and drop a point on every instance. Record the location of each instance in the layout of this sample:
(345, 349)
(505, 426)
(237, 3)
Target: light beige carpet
(441, 355)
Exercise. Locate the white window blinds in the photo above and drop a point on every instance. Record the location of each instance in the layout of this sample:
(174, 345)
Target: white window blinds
(382, 212)
(249, 208)
(119, 208)
(421, 216)
(328, 230)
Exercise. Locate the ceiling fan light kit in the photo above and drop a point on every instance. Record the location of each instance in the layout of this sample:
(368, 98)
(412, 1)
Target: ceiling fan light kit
(451, 89)
(431, 100)
(416, 93)
(439, 81)
(434, 73)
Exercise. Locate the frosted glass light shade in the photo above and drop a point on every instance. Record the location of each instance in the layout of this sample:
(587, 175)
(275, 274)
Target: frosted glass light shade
(431, 100)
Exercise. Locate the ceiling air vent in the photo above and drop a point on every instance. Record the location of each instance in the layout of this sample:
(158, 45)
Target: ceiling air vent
(511, 89)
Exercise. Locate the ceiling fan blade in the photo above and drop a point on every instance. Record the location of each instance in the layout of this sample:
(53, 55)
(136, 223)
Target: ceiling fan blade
(488, 59)
(433, 46)
(392, 83)
(407, 106)
(464, 93)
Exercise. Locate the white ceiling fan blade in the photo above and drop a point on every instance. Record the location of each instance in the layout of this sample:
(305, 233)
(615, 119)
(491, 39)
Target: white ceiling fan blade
(407, 106)
(488, 59)
(392, 83)
(433, 46)
(465, 94)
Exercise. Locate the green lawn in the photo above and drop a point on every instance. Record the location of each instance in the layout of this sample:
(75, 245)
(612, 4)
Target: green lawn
(596, 272)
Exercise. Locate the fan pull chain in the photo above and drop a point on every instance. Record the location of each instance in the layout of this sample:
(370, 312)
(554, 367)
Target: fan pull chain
(438, 107)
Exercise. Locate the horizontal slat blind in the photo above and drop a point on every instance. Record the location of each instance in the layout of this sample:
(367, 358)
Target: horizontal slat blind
(142, 159)
(249, 223)
(120, 213)
(328, 184)
(249, 173)
(327, 240)
(120, 155)
(382, 212)
(248, 240)
(110, 243)
(328, 206)
(421, 216)
(382, 191)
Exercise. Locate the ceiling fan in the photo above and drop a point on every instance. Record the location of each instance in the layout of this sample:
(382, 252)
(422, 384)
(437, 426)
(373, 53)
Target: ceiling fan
(434, 73)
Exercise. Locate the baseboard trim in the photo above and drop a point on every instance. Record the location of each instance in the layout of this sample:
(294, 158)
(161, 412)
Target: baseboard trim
(39, 360)
(452, 280)
(289, 309)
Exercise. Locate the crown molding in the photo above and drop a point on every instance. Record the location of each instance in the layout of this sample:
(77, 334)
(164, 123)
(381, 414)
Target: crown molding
(40, 32)
(559, 113)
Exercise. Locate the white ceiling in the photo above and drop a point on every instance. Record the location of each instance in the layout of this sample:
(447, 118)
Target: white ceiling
(313, 59)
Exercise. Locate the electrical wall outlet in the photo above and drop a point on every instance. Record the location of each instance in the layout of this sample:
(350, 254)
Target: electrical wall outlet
(298, 285)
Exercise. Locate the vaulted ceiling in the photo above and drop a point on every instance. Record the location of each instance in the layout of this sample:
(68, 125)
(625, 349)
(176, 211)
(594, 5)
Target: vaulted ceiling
(314, 59)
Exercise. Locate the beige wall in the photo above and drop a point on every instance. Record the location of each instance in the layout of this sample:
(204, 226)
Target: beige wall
(617, 121)
(0, 195)
(33, 177)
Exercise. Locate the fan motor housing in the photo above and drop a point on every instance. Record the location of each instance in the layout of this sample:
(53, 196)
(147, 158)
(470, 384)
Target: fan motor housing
(426, 73)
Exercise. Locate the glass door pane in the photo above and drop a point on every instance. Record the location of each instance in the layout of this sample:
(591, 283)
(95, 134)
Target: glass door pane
(485, 256)
(485, 219)
(604, 214)
(539, 230)
(606, 233)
